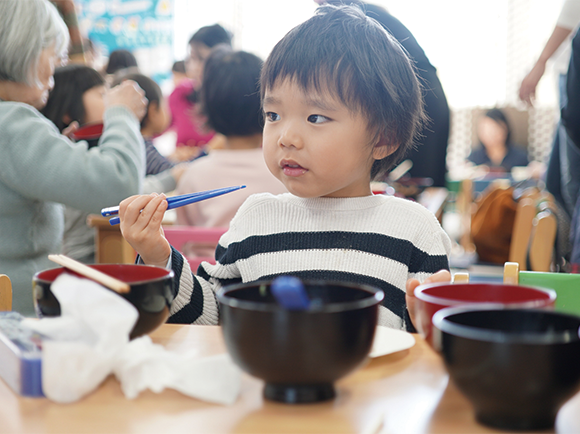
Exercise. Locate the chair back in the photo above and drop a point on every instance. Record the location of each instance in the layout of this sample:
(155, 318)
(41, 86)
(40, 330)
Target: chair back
(5, 293)
(566, 285)
(196, 243)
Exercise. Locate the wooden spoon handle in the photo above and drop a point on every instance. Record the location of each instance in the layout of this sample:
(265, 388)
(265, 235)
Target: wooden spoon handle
(90, 273)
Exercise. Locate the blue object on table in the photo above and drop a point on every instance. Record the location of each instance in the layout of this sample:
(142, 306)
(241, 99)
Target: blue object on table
(20, 356)
(176, 201)
(289, 292)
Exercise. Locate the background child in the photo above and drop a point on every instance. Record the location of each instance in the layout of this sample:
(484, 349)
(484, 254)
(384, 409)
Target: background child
(185, 117)
(342, 105)
(230, 100)
(78, 96)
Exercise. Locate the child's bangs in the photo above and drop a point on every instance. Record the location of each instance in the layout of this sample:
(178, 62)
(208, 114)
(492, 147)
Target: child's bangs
(337, 81)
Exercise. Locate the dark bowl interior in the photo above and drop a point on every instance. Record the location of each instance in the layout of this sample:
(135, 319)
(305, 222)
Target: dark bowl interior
(150, 292)
(299, 353)
(436, 296)
(516, 366)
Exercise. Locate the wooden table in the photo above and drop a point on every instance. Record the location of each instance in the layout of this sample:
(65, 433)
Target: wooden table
(408, 392)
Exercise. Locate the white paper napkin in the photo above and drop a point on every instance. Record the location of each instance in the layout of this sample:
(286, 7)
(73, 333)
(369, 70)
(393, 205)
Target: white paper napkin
(90, 340)
(388, 341)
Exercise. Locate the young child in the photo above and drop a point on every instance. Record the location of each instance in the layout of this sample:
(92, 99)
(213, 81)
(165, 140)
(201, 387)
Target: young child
(342, 105)
(230, 100)
(155, 122)
(78, 97)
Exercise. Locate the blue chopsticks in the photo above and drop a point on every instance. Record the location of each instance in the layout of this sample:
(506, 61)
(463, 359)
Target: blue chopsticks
(176, 201)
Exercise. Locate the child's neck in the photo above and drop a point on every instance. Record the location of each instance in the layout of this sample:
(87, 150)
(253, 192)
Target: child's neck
(243, 142)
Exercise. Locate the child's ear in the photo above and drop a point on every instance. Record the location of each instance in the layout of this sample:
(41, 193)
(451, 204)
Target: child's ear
(66, 119)
(383, 148)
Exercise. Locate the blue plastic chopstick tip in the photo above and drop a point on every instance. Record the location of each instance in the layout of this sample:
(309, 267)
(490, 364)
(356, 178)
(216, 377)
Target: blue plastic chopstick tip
(289, 292)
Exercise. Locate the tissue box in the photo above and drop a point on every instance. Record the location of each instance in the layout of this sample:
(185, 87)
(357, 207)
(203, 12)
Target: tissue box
(20, 356)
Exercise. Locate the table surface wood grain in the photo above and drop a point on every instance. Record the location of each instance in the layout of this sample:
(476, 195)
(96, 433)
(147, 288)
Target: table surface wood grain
(405, 392)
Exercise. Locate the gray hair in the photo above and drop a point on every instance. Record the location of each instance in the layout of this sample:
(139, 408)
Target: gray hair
(27, 27)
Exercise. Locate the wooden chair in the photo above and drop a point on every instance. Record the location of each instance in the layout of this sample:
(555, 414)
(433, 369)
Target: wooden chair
(110, 246)
(189, 239)
(5, 293)
(534, 231)
(566, 285)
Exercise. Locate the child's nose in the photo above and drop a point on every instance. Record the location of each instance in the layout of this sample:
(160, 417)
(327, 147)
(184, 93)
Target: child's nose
(291, 137)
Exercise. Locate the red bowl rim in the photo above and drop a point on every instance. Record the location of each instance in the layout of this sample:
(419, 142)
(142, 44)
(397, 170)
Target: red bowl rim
(168, 273)
(429, 298)
(89, 131)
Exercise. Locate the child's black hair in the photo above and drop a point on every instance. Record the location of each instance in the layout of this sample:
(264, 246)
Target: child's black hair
(120, 59)
(66, 98)
(210, 36)
(152, 90)
(342, 51)
(178, 66)
(230, 92)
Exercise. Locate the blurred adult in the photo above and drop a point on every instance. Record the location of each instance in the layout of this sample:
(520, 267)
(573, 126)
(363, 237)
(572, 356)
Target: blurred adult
(571, 122)
(496, 149)
(192, 136)
(562, 179)
(230, 100)
(429, 156)
(41, 169)
(557, 47)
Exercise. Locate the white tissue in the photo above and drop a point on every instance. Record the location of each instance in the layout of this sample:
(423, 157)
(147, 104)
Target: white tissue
(90, 340)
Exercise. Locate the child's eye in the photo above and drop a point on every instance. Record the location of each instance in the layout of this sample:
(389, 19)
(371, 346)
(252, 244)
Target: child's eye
(317, 119)
(272, 117)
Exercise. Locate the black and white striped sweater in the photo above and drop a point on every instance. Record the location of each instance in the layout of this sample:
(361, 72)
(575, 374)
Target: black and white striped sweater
(376, 240)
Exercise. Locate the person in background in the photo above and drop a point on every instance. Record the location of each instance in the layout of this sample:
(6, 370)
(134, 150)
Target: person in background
(496, 149)
(178, 73)
(78, 96)
(40, 168)
(562, 179)
(558, 42)
(192, 136)
(230, 100)
(120, 59)
(571, 122)
(342, 106)
(430, 153)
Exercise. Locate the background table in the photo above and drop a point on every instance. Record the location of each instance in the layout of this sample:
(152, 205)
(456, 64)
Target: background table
(405, 392)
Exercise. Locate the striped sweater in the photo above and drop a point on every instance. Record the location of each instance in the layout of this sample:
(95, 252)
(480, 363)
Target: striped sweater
(375, 240)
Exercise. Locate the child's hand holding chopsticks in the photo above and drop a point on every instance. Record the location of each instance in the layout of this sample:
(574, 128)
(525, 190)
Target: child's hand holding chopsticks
(141, 218)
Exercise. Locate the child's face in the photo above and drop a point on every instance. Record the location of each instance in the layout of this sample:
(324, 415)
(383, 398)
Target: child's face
(94, 104)
(158, 118)
(315, 145)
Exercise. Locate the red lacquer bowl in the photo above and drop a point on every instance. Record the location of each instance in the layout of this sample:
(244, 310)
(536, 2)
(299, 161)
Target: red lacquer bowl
(150, 292)
(436, 296)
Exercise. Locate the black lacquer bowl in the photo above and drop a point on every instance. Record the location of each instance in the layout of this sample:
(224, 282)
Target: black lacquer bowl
(299, 353)
(150, 292)
(516, 366)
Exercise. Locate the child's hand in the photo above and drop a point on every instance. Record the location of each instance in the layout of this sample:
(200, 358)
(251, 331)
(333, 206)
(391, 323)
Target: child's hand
(440, 276)
(141, 218)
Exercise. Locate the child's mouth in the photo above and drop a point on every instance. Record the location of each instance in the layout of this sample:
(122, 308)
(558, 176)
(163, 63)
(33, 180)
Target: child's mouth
(292, 169)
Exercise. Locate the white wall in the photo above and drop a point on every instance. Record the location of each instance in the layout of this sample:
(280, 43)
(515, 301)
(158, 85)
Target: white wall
(481, 48)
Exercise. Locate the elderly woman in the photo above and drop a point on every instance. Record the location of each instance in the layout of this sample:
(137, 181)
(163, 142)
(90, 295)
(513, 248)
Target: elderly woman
(40, 168)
